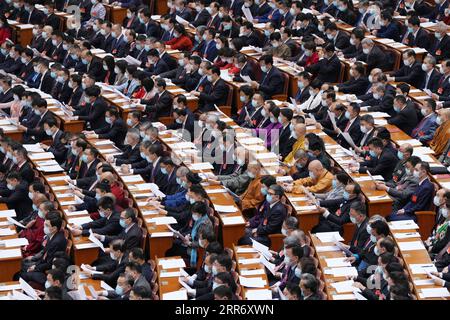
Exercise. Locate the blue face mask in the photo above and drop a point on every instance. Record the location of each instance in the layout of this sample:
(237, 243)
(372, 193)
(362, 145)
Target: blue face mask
(269, 198)
(372, 153)
(119, 290)
(346, 195)
(179, 181)
(84, 158)
(164, 170)
(264, 191)
(334, 184)
(122, 223)
(400, 155)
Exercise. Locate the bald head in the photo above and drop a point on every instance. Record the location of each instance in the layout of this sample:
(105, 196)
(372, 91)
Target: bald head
(316, 168)
(444, 114)
(108, 176)
(300, 129)
(407, 150)
(39, 198)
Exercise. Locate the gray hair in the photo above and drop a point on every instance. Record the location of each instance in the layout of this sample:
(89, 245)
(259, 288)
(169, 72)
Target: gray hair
(291, 241)
(310, 282)
(300, 154)
(291, 223)
(182, 171)
(367, 41)
(134, 133)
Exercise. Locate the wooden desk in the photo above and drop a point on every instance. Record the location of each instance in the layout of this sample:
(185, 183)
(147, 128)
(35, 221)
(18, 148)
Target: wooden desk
(115, 14)
(8, 266)
(167, 284)
(21, 34)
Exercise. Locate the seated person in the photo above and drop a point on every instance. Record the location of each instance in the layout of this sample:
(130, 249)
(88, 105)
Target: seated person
(319, 180)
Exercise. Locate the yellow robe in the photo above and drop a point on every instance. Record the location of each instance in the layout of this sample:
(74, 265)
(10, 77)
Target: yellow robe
(299, 144)
(441, 137)
(322, 185)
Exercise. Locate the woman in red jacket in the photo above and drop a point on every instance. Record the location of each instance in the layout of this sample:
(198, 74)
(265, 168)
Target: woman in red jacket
(5, 31)
(311, 56)
(180, 41)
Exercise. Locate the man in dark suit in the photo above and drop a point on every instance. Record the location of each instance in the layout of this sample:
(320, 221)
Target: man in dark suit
(115, 128)
(88, 170)
(119, 44)
(94, 110)
(272, 81)
(249, 35)
(57, 147)
(406, 117)
(422, 198)
(432, 76)
(357, 84)
(373, 56)
(272, 220)
(389, 29)
(131, 234)
(96, 38)
(16, 195)
(6, 92)
(352, 127)
(155, 174)
(358, 216)
(217, 95)
(161, 104)
(381, 160)
(155, 64)
(27, 67)
(335, 213)
(59, 53)
(185, 122)
(209, 50)
(328, 68)
(214, 19)
(147, 26)
(37, 133)
(229, 29)
(131, 151)
(42, 80)
(338, 39)
(168, 184)
(411, 71)
(284, 142)
(440, 48)
(21, 165)
(416, 36)
(14, 65)
(74, 164)
(380, 100)
(51, 19)
(93, 65)
(34, 267)
(202, 15)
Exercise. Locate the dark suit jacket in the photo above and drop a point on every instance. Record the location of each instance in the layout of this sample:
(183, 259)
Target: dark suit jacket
(440, 49)
(132, 238)
(355, 133)
(7, 96)
(56, 244)
(405, 120)
(104, 226)
(129, 156)
(359, 238)
(422, 39)
(327, 70)
(201, 19)
(413, 75)
(159, 106)
(18, 200)
(433, 82)
(115, 132)
(375, 59)
(271, 222)
(58, 149)
(38, 131)
(217, 95)
(26, 172)
(272, 83)
(94, 114)
(354, 86)
(384, 165)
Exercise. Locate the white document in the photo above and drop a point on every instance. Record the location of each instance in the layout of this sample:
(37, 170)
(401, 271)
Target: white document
(17, 242)
(264, 250)
(33, 147)
(270, 266)
(6, 232)
(85, 269)
(332, 118)
(403, 225)
(7, 213)
(132, 178)
(58, 178)
(246, 78)
(87, 245)
(337, 262)
(344, 286)
(259, 294)
(96, 241)
(253, 272)
(247, 13)
(103, 142)
(172, 263)
(305, 208)
(184, 284)
(163, 220)
(175, 295)
(17, 295)
(246, 250)
(424, 282)
(252, 282)
(327, 248)
(76, 213)
(233, 220)
(216, 190)
(9, 287)
(80, 220)
(422, 268)
(106, 286)
(225, 208)
(55, 168)
(172, 274)
(434, 293)
(406, 235)
(249, 261)
(201, 166)
(348, 138)
(40, 156)
(28, 289)
(342, 272)
(329, 236)
(161, 234)
(10, 253)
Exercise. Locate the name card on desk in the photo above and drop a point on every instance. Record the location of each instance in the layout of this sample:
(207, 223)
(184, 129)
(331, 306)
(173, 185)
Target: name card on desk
(172, 263)
(422, 268)
(329, 236)
(17, 242)
(406, 235)
(403, 225)
(434, 293)
(161, 234)
(10, 253)
(233, 220)
(225, 208)
(261, 294)
(252, 282)
(175, 295)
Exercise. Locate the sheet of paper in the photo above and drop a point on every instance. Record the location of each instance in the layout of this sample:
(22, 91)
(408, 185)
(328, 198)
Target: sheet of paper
(171, 274)
(8, 287)
(106, 286)
(80, 220)
(161, 234)
(96, 241)
(40, 156)
(253, 272)
(175, 295)
(233, 220)
(424, 282)
(132, 178)
(28, 289)
(247, 13)
(172, 263)
(329, 236)
(58, 178)
(17, 242)
(85, 269)
(225, 208)
(434, 293)
(246, 250)
(7, 232)
(406, 235)
(337, 262)
(348, 138)
(259, 294)
(342, 272)
(252, 282)
(201, 166)
(10, 253)
(14, 221)
(403, 225)
(270, 266)
(17, 295)
(7, 213)
(264, 250)
(422, 268)
(344, 286)
(327, 248)
(163, 220)
(249, 261)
